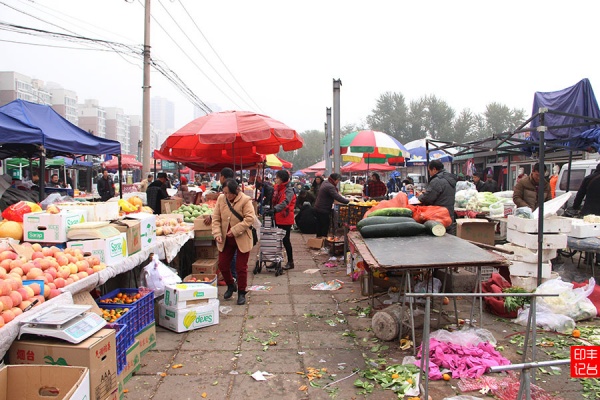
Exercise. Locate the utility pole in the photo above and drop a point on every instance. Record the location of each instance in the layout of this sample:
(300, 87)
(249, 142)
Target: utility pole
(337, 159)
(146, 91)
(328, 141)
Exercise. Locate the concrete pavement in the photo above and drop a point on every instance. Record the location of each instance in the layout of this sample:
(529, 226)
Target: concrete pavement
(285, 331)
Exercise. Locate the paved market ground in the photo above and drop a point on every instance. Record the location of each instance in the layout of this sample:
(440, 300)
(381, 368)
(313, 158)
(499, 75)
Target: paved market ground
(312, 329)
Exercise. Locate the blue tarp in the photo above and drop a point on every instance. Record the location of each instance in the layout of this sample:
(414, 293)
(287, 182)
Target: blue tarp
(578, 99)
(57, 134)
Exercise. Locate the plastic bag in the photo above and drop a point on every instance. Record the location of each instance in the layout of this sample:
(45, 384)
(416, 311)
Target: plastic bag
(16, 211)
(51, 199)
(464, 185)
(426, 286)
(524, 212)
(546, 319)
(422, 214)
(497, 209)
(465, 337)
(400, 200)
(573, 303)
(157, 275)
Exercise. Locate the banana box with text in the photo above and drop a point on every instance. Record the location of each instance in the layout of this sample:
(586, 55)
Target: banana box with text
(189, 318)
(189, 294)
(111, 251)
(50, 228)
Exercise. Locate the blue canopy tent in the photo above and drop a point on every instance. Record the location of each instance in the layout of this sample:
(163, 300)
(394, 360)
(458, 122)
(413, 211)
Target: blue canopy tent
(37, 131)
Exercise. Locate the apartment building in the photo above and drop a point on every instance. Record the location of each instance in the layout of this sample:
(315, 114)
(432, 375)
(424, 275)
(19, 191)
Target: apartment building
(92, 117)
(117, 127)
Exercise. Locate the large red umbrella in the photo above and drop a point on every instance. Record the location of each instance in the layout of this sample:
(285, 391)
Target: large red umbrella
(238, 133)
(128, 161)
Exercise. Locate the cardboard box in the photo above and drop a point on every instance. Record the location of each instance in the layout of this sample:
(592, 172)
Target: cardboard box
(190, 318)
(530, 240)
(111, 251)
(205, 266)
(97, 211)
(147, 228)
(199, 224)
(519, 268)
(476, 230)
(39, 382)
(184, 295)
(552, 224)
(147, 338)
(206, 249)
(131, 228)
(50, 228)
(203, 235)
(167, 206)
(133, 364)
(315, 243)
(97, 353)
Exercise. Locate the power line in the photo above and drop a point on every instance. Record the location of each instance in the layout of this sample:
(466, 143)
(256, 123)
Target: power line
(58, 47)
(192, 61)
(219, 57)
(202, 55)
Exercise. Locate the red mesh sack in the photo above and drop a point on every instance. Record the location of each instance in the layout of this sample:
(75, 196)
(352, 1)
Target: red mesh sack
(422, 214)
(16, 211)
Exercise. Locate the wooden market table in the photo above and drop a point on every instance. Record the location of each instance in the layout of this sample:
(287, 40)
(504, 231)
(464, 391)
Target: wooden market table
(406, 254)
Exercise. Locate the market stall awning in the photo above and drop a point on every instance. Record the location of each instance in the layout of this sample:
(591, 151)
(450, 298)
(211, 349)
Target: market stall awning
(274, 162)
(363, 166)
(128, 161)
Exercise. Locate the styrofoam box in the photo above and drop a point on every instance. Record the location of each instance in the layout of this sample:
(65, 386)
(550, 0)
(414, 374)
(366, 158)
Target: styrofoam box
(530, 240)
(582, 229)
(526, 255)
(519, 268)
(177, 295)
(50, 228)
(553, 224)
(190, 318)
(111, 251)
(94, 211)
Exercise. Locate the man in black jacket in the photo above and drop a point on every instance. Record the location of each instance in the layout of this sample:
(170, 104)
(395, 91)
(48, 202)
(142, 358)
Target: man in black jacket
(157, 191)
(590, 190)
(106, 186)
(441, 190)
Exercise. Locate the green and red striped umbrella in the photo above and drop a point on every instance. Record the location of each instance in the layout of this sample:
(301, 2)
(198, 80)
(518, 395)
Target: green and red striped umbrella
(372, 146)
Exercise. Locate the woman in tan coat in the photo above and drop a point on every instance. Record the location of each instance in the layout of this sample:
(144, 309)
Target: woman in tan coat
(232, 233)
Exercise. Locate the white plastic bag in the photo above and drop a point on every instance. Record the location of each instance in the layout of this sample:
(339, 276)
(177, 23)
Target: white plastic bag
(546, 319)
(573, 303)
(157, 275)
(497, 209)
(465, 337)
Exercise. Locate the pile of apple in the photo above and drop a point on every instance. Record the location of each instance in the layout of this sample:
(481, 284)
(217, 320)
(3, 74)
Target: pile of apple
(55, 267)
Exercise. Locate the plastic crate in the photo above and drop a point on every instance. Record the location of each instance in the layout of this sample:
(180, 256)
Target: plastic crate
(144, 307)
(124, 339)
(356, 213)
(486, 272)
(340, 215)
(127, 319)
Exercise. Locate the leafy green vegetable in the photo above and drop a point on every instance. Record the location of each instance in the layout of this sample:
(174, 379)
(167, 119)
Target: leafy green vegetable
(514, 303)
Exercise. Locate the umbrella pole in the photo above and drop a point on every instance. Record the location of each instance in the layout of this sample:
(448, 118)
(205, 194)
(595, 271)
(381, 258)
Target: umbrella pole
(42, 173)
(120, 176)
(368, 162)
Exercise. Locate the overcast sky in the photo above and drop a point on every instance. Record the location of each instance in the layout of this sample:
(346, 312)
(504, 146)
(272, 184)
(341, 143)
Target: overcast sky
(286, 54)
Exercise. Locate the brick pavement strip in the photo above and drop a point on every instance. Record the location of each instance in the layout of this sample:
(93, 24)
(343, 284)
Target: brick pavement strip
(217, 360)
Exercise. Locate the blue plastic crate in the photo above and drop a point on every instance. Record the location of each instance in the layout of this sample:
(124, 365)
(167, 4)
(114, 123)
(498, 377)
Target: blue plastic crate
(128, 319)
(124, 339)
(144, 307)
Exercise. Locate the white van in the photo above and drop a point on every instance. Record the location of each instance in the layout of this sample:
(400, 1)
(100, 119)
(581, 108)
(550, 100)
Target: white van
(579, 170)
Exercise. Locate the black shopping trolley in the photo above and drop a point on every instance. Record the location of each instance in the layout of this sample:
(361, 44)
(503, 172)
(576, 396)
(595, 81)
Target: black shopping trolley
(270, 252)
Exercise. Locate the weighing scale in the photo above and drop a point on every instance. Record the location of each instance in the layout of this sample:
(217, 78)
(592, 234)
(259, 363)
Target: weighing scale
(69, 322)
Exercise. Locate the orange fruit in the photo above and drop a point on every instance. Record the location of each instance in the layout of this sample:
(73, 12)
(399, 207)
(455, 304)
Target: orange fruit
(395, 376)
(446, 377)
(576, 333)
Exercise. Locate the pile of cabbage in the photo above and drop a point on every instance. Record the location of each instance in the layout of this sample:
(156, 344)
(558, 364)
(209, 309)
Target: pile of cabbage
(351, 188)
(472, 200)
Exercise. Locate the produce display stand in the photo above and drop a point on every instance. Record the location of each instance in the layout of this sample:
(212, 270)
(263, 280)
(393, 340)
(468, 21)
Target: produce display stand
(445, 252)
(166, 247)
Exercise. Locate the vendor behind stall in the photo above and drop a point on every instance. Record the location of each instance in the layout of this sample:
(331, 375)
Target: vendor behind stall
(525, 192)
(106, 186)
(157, 191)
(440, 190)
(375, 189)
(328, 192)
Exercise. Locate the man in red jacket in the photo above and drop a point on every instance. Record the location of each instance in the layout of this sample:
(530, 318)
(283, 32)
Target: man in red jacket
(284, 201)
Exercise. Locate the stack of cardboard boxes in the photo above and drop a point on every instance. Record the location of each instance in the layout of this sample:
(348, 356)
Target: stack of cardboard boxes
(205, 247)
(188, 306)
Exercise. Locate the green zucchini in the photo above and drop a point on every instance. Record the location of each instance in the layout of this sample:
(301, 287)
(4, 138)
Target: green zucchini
(393, 230)
(382, 220)
(391, 212)
(435, 228)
